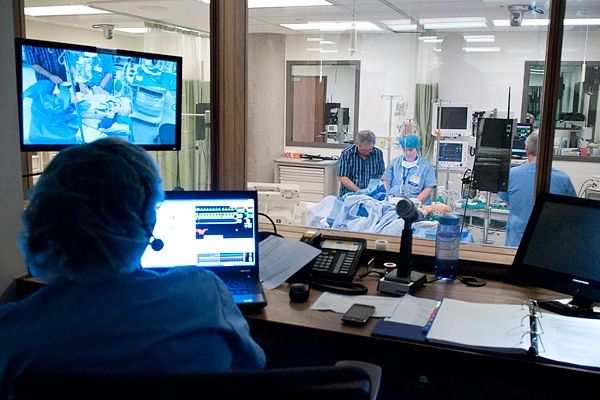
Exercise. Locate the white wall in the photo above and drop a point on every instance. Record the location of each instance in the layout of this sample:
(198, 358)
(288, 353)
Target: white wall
(59, 33)
(11, 194)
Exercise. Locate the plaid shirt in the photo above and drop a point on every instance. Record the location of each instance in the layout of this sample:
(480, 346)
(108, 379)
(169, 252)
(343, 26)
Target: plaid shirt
(358, 170)
(47, 59)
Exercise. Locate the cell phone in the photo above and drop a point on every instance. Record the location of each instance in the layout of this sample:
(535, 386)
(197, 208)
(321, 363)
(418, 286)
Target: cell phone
(358, 314)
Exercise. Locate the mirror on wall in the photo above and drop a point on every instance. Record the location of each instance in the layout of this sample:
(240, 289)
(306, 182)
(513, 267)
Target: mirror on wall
(321, 102)
(578, 102)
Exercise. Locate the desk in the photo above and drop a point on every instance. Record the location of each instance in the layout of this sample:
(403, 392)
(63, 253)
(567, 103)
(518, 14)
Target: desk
(292, 334)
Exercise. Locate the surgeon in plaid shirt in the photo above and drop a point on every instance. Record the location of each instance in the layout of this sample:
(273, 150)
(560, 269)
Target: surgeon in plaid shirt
(360, 163)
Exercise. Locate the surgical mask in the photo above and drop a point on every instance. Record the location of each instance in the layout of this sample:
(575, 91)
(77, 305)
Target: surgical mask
(409, 164)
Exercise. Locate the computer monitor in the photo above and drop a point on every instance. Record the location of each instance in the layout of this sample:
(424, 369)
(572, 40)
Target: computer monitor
(96, 93)
(452, 154)
(559, 251)
(452, 120)
(518, 141)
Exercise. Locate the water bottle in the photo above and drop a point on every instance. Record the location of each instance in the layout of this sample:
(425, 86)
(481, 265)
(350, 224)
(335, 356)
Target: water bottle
(446, 247)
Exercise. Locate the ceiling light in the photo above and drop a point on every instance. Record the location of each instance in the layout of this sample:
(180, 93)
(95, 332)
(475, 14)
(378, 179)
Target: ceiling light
(481, 49)
(480, 38)
(286, 3)
(525, 22)
(453, 23)
(61, 10)
(313, 39)
(326, 42)
(336, 26)
(282, 3)
(132, 30)
(320, 50)
(433, 40)
(582, 21)
(401, 25)
(427, 37)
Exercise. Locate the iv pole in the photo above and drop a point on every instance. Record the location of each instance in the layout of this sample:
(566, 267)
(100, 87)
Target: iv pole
(391, 98)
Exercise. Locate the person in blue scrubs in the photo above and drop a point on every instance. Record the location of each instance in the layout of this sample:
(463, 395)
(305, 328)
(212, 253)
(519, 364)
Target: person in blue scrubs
(89, 220)
(520, 194)
(410, 175)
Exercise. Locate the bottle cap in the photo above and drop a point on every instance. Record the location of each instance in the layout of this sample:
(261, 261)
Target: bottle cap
(447, 219)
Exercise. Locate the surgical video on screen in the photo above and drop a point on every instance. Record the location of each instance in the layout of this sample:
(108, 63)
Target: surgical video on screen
(73, 97)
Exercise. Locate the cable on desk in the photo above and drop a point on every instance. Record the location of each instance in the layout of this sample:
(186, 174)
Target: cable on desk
(272, 223)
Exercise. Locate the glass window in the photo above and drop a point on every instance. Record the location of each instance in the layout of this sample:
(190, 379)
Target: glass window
(452, 74)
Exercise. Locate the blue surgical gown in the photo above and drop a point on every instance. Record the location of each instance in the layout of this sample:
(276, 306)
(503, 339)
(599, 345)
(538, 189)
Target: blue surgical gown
(410, 182)
(179, 321)
(520, 196)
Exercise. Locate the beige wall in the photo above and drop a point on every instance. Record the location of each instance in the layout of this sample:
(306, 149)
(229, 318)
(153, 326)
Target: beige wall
(266, 104)
(11, 195)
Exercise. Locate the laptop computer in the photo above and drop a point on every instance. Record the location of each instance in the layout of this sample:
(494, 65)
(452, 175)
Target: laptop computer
(216, 230)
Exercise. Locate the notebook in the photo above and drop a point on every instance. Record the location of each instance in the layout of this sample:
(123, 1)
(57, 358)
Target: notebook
(216, 230)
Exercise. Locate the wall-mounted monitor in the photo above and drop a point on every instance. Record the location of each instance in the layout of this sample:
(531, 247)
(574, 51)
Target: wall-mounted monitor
(518, 141)
(559, 251)
(72, 94)
(453, 154)
(451, 120)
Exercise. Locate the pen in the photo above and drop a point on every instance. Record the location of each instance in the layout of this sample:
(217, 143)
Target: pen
(434, 312)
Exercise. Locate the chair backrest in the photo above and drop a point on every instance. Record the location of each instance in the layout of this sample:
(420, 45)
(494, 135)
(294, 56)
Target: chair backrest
(312, 383)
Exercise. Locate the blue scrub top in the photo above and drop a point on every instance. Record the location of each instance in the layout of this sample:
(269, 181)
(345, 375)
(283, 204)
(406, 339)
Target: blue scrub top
(520, 195)
(410, 182)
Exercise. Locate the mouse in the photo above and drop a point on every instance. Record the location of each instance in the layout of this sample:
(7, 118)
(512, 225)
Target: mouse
(299, 292)
(472, 281)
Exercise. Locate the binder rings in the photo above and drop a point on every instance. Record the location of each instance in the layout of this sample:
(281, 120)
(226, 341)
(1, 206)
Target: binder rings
(517, 328)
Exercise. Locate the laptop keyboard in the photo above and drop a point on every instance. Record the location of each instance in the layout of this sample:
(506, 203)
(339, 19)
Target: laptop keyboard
(236, 285)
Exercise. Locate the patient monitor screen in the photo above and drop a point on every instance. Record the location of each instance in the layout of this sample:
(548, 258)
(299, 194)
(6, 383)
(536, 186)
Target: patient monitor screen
(454, 118)
(77, 94)
(451, 152)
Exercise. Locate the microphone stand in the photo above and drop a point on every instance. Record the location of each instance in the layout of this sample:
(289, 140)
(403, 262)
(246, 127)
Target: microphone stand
(404, 280)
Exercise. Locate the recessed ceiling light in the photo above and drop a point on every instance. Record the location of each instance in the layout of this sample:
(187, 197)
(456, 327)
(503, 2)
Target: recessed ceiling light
(326, 42)
(282, 3)
(427, 37)
(313, 39)
(401, 25)
(132, 30)
(335, 26)
(61, 10)
(480, 38)
(582, 21)
(525, 22)
(481, 49)
(434, 40)
(453, 23)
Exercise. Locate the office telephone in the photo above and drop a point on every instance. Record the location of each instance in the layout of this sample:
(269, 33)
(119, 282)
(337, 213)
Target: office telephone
(338, 260)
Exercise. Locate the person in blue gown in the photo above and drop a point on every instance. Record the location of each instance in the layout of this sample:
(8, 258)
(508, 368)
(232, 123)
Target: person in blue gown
(521, 193)
(89, 220)
(410, 175)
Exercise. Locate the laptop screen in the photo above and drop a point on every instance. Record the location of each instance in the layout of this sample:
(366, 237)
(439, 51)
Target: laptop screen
(213, 229)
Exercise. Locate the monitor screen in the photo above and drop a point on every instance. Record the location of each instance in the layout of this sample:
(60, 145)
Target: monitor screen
(454, 117)
(559, 249)
(518, 142)
(73, 94)
(451, 151)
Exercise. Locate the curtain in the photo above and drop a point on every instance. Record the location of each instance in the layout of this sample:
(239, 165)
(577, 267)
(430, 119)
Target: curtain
(188, 168)
(425, 94)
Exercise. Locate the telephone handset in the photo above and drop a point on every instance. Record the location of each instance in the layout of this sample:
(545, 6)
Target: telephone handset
(338, 260)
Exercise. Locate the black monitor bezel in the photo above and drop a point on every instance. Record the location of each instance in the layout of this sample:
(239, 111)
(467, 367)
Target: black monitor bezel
(563, 282)
(30, 147)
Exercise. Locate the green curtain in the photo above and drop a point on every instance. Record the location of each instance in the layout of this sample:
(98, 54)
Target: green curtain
(425, 93)
(188, 168)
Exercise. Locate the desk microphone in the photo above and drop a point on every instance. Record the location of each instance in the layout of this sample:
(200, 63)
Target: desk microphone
(406, 210)
(156, 244)
(405, 280)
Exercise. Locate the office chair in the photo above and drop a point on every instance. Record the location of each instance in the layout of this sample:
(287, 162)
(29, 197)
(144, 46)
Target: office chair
(166, 134)
(347, 380)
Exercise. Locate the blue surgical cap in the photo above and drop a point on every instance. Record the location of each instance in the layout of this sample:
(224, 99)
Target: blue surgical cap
(91, 213)
(410, 142)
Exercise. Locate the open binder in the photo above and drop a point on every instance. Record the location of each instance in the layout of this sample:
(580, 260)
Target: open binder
(517, 328)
